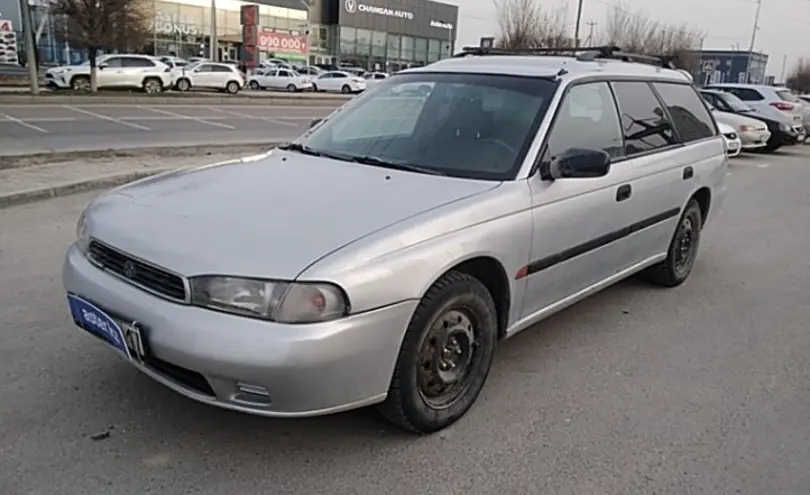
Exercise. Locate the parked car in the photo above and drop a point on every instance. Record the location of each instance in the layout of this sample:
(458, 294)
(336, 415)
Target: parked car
(113, 72)
(310, 70)
(374, 78)
(485, 207)
(753, 133)
(761, 97)
(286, 79)
(733, 143)
(343, 82)
(210, 76)
(784, 132)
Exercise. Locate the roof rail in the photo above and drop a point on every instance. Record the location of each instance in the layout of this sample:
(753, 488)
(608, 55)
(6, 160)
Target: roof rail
(583, 54)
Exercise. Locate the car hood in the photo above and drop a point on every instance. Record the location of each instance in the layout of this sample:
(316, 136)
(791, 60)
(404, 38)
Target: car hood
(267, 216)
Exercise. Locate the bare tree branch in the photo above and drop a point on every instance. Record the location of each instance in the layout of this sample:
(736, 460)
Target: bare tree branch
(799, 79)
(103, 25)
(526, 24)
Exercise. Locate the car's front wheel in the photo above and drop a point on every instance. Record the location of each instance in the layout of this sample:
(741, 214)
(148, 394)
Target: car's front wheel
(183, 85)
(232, 87)
(445, 356)
(254, 85)
(682, 251)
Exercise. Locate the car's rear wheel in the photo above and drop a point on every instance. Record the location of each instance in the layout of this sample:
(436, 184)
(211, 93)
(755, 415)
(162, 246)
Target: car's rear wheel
(152, 85)
(80, 83)
(445, 356)
(183, 85)
(346, 89)
(291, 88)
(232, 87)
(254, 85)
(682, 252)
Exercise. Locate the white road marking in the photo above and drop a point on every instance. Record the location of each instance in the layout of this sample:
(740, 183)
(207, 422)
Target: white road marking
(105, 117)
(251, 117)
(764, 165)
(166, 118)
(22, 123)
(187, 117)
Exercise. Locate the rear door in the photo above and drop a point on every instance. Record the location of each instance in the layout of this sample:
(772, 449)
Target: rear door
(221, 75)
(657, 164)
(203, 77)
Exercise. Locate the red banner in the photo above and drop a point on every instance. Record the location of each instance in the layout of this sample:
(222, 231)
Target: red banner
(282, 43)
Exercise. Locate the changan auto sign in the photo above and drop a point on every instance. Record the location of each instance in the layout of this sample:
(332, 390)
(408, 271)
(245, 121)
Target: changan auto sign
(353, 6)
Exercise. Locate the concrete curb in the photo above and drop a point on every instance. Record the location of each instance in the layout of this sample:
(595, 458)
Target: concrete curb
(179, 99)
(19, 161)
(32, 195)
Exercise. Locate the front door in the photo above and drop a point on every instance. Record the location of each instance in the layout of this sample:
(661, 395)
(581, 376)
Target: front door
(578, 223)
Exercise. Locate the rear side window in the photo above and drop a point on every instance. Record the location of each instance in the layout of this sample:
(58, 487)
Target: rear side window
(688, 113)
(644, 123)
(745, 94)
(786, 95)
(587, 119)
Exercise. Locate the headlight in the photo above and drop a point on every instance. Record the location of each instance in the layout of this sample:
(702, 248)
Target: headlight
(283, 302)
(746, 128)
(785, 128)
(82, 237)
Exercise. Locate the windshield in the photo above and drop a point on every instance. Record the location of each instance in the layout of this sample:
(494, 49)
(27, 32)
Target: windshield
(463, 125)
(735, 103)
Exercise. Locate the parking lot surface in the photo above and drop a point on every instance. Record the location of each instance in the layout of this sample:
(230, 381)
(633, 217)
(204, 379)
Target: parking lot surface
(42, 128)
(638, 390)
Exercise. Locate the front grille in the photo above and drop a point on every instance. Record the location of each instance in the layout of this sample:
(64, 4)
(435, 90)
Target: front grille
(137, 272)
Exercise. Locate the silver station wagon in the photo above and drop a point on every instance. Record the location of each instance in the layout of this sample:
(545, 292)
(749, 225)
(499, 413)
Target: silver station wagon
(381, 257)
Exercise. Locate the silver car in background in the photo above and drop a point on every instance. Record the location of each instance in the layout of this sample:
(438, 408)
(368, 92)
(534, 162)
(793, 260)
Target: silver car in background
(381, 257)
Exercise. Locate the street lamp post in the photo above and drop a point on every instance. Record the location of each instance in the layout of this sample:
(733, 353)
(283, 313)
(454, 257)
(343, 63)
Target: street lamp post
(214, 43)
(307, 27)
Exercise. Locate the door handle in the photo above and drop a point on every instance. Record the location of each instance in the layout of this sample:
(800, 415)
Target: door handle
(623, 192)
(688, 173)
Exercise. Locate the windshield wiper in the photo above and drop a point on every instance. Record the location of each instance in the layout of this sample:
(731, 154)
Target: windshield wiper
(300, 148)
(396, 165)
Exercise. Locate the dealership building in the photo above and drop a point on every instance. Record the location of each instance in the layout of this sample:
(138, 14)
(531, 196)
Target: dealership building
(375, 34)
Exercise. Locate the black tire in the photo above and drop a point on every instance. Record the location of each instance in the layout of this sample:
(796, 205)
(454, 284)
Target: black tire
(80, 83)
(152, 85)
(232, 87)
(254, 85)
(291, 88)
(183, 85)
(407, 404)
(674, 270)
(346, 89)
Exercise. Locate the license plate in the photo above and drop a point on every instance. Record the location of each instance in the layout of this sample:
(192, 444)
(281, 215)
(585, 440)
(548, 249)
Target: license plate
(97, 322)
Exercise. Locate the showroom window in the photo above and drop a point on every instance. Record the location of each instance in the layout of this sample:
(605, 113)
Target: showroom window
(393, 46)
(434, 50)
(407, 48)
(378, 44)
(420, 51)
(348, 37)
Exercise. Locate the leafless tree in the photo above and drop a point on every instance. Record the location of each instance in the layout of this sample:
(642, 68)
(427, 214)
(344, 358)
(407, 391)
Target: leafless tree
(799, 78)
(527, 24)
(103, 25)
(635, 31)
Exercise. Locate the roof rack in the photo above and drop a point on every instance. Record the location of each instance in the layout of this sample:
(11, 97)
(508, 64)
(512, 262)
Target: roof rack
(583, 54)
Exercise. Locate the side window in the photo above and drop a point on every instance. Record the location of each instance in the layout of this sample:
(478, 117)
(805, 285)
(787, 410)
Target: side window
(113, 62)
(327, 75)
(284, 73)
(220, 68)
(587, 118)
(136, 62)
(379, 76)
(691, 118)
(746, 94)
(644, 123)
(204, 68)
(339, 75)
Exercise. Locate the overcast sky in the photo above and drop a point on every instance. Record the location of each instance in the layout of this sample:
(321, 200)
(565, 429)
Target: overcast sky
(784, 24)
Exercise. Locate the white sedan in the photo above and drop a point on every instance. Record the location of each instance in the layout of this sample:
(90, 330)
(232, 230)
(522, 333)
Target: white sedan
(209, 75)
(374, 78)
(733, 143)
(286, 79)
(341, 81)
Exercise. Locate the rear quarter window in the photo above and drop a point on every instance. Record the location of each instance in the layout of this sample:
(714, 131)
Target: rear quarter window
(690, 116)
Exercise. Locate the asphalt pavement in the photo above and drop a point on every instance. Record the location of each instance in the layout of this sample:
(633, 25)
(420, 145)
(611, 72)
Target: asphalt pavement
(703, 389)
(27, 129)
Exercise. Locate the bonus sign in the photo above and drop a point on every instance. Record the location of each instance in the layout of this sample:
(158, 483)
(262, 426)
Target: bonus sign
(283, 43)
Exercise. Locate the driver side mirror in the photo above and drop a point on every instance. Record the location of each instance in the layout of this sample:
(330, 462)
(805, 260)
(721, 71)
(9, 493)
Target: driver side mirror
(315, 122)
(578, 163)
(102, 66)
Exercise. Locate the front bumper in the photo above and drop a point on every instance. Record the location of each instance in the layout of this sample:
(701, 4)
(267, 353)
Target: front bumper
(754, 139)
(208, 356)
(59, 81)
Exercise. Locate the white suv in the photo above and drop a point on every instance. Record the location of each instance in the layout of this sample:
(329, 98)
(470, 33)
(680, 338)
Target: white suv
(114, 72)
(209, 75)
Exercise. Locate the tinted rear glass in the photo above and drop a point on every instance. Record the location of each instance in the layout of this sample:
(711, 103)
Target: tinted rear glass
(689, 115)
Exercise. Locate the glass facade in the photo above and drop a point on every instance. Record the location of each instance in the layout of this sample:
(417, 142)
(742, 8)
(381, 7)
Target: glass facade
(375, 50)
